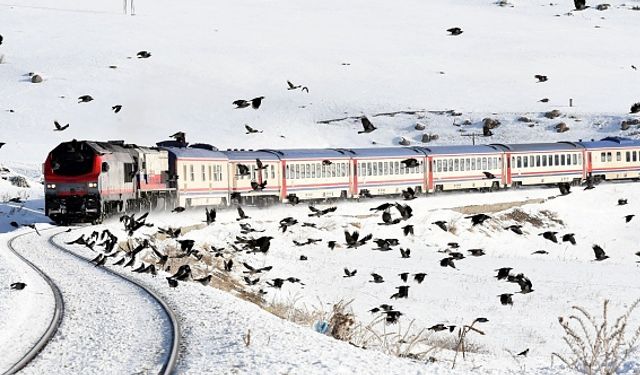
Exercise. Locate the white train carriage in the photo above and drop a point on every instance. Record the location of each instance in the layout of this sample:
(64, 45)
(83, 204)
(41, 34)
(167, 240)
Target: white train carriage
(200, 173)
(613, 158)
(309, 174)
(544, 163)
(241, 184)
(464, 167)
(380, 171)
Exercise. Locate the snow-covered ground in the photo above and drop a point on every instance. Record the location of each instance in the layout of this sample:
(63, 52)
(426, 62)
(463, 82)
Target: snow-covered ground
(357, 57)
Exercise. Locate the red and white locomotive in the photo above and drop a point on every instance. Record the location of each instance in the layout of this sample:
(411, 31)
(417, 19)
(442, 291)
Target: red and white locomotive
(87, 180)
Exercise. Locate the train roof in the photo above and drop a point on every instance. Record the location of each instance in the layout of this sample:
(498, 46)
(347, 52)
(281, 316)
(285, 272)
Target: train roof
(466, 149)
(374, 152)
(611, 142)
(301, 153)
(195, 153)
(249, 155)
(541, 147)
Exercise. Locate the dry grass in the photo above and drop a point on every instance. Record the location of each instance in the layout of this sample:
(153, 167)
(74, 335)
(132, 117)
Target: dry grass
(597, 346)
(520, 217)
(495, 207)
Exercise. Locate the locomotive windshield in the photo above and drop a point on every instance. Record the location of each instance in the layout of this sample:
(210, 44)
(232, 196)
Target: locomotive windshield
(72, 159)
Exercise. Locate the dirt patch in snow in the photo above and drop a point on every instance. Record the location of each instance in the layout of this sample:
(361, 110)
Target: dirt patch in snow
(495, 207)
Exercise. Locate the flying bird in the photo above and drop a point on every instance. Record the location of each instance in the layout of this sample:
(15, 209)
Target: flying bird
(143, 54)
(506, 299)
(551, 236)
(409, 194)
(348, 273)
(59, 127)
(524, 353)
(405, 253)
(544, 100)
(541, 78)
(503, 273)
(447, 262)
(256, 102)
(455, 31)
(628, 218)
(367, 125)
(260, 165)
(407, 230)
(478, 219)
(410, 163)
(291, 86)
(178, 209)
(569, 237)
(622, 201)
(376, 278)
(382, 207)
(116, 108)
(258, 186)
(476, 252)
(599, 253)
(85, 99)
(517, 229)
(317, 212)
(241, 214)
(580, 4)
(489, 175)
(18, 286)
(419, 277)
(251, 130)
(541, 252)
(441, 224)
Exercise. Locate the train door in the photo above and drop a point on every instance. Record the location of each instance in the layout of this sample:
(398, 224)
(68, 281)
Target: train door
(430, 174)
(353, 177)
(587, 164)
(283, 188)
(507, 179)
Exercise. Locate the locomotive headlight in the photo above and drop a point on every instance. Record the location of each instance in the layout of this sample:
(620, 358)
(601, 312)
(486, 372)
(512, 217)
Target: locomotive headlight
(51, 186)
(93, 184)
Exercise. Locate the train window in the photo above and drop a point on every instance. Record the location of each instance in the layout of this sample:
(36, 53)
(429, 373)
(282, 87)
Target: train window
(456, 165)
(538, 162)
(374, 169)
(467, 164)
(450, 165)
(603, 157)
(343, 167)
(396, 167)
(296, 171)
(273, 172)
(525, 162)
(380, 168)
(544, 160)
(556, 160)
(484, 164)
(439, 165)
(550, 157)
(192, 173)
(562, 160)
(287, 173)
(204, 175)
(210, 170)
(128, 172)
(519, 162)
(568, 158)
(445, 166)
(574, 159)
(618, 156)
(462, 165)
(635, 156)
(184, 172)
(313, 171)
(628, 156)
(473, 164)
(609, 157)
(308, 168)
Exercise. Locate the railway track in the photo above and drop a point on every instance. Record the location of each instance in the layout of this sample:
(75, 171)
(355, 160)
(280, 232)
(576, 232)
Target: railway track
(164, 358)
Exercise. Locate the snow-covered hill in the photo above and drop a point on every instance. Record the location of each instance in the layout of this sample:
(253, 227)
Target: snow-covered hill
(360, 57)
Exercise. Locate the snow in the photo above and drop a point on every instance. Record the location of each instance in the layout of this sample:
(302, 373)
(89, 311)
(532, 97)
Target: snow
(360, 57)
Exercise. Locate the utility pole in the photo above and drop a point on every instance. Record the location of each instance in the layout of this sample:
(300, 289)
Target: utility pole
(473, 137)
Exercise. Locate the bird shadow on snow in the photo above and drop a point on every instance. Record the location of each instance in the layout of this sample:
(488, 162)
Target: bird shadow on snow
(30, 212)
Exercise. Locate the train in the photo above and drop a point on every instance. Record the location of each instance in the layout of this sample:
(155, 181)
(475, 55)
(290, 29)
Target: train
(86, 181)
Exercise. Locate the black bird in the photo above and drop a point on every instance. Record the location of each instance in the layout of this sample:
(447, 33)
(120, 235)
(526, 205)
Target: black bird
(1, 39)
(405, 253)
(580, 4)
(178, 209)
(85, 99)
(348, 273)
(16, 225)
(599, 252)
(405, 211)
(276, 283)
(438, 327)
(407, 230)
(403, 292)
(489, 175)
(541, 78)
(2, 144)
(544, 100)
(305, 88)
(392, 316)
(241, 214)
(210, 215)
(241, 103)
(243, 170)
(551, 236)
(478, 218)
(287, 222)
(228, 264)
(18, 286)
(353, 241)
(116, 108)
(503, 273)
(388, 220)
(628, 218)
(409, 194)
(172, 282)
(204, 280)
(259, 165)
(506, 299)
(525, 284)
(456, 255)
(622, 202)
(256, 102)
(310, 225)
(331, 244)
(33, 226)
(419, 277)
(476, 252)
(410, 163)
(318, 212)
(441, 224)
(367, 125)
(541, 252)
(515, 229)
(252, 270)
(251, 130)
(143, 54)
(293, 199)
(291, 86)
(481, 320)
(382, 207)
(455, 31)
(524, 352)
(303, 257)
(447, 262)
(376, 278)
(59, 127)
(404, 276)
(258, 186)
(569, 238)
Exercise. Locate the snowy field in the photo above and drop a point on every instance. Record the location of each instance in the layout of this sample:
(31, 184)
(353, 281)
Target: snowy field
(357, 58)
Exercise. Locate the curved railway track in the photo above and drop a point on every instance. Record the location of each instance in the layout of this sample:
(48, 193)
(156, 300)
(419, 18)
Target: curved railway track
(171, 354)
(56, 318)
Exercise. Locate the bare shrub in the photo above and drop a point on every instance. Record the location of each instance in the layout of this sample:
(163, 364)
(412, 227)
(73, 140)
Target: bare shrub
(520, 216)
(598, 347)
